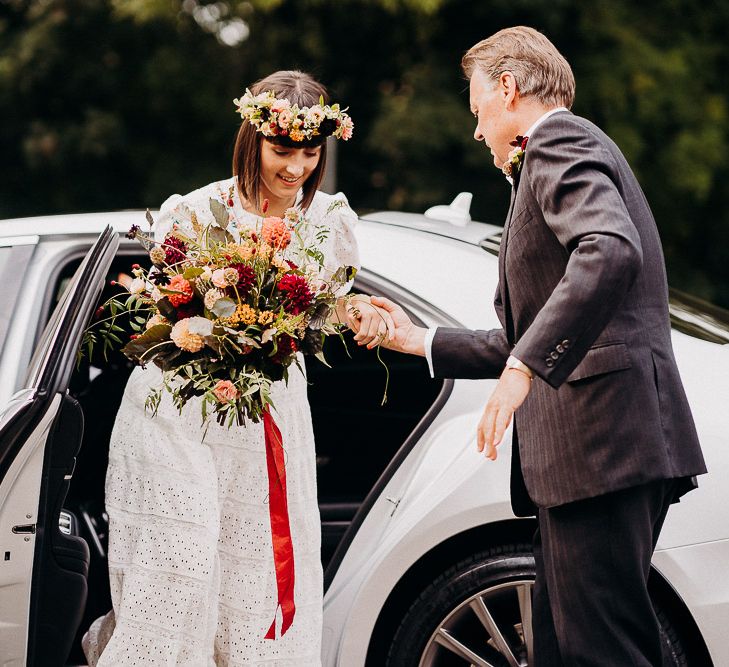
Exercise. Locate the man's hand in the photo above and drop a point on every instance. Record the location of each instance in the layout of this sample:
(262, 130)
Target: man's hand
(407, 338)
(372, 325)
(511, 391)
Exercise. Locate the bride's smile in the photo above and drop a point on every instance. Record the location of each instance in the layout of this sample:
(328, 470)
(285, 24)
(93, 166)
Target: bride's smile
(284, 170)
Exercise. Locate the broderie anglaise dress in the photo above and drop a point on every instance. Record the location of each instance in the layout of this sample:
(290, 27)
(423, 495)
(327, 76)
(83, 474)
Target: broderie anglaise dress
(190, 556)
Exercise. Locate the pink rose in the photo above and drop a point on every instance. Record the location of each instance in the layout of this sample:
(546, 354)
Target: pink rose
(225, 391)
(347, 129)
(284, 118)
(280, 105)
(218, 278)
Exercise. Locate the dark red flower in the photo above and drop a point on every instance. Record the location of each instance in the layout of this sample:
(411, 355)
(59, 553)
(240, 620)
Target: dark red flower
(292, 266)
(133, 231)
(190, 309)
(296, 294)
(520, 141)
(246, 278)
(175, 249)
(159, 278)
(285, 347)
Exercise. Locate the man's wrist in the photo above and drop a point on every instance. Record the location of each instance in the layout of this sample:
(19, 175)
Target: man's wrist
(415, 341)
(515, 364)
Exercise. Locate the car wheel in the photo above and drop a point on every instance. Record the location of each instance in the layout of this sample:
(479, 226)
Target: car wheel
(479, 613)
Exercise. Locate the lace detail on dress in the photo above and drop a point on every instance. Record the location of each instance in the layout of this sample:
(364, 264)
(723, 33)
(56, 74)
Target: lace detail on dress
(190, 556)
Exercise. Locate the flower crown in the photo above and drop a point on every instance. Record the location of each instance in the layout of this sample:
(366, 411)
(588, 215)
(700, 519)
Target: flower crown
(274, 117)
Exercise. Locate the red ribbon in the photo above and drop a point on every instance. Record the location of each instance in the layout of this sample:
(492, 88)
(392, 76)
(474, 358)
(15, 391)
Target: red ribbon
(278, 508)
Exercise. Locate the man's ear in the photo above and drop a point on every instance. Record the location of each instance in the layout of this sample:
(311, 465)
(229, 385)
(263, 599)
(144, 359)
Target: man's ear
(508, 90)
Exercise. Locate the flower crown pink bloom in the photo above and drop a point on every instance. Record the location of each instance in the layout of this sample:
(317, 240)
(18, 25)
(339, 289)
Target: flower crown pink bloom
(274, 117)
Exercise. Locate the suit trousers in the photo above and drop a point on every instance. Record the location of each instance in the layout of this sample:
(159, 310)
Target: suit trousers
(591, 605)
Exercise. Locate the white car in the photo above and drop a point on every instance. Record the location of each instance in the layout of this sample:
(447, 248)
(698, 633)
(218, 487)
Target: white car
(425, 564)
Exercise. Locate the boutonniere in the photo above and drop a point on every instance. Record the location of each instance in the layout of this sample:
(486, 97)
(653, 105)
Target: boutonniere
(516, 157)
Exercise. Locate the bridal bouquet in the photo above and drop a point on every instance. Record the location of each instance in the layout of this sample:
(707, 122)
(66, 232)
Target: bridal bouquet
(223, 317)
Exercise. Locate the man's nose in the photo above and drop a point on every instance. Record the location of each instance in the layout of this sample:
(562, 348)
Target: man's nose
(477, 134)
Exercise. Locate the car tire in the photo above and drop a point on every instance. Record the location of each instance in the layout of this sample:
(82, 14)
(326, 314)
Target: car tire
(486, 595)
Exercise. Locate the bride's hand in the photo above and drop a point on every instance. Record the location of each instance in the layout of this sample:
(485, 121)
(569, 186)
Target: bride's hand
(371, 324)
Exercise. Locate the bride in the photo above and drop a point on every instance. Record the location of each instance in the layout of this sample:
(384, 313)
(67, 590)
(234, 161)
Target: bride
(191, 562)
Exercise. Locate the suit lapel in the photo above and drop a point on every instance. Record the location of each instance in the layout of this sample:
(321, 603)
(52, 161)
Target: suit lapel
(502, 266)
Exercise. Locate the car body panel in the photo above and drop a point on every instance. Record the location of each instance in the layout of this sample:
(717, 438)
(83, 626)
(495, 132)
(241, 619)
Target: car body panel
(20, 491)
(25, 427)
(698, 574)
(444, 487)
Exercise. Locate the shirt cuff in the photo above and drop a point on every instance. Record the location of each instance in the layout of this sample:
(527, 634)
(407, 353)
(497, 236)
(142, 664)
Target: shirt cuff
(428, 344)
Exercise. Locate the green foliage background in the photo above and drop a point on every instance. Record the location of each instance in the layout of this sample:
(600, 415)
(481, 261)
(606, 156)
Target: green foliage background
(110, 104)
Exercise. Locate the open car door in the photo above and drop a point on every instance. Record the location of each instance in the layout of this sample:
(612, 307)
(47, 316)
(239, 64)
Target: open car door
(43, 566)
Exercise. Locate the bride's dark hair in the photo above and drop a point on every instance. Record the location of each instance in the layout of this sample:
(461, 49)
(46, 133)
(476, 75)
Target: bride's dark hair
(301, 89)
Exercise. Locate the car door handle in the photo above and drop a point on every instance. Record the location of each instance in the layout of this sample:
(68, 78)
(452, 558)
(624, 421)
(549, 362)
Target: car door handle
(25, 529)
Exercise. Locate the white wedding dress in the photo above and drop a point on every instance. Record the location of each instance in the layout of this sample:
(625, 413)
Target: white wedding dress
(190, 554)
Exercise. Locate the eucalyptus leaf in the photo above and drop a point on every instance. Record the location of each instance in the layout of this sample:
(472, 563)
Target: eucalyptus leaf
(136, 348)
(245, 340)
(166, 309)
(320, 357)
(220, 212)
(192, 272)
(224, 307)
(214, 344)
(219, 235)
(164, 360)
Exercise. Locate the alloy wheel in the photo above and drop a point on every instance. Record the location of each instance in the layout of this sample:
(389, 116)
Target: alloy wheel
(492, 628)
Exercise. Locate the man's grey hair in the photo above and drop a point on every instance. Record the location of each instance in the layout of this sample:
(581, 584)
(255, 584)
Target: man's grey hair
(539, 69)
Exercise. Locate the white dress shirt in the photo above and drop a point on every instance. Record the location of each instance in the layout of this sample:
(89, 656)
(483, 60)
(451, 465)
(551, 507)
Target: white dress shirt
(430, 333)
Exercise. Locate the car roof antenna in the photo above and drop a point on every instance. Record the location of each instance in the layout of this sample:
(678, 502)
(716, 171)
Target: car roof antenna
(458, 212)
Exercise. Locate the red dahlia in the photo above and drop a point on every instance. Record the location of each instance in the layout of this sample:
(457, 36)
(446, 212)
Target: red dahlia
(175, 249)
(246, 277)
(296, 294)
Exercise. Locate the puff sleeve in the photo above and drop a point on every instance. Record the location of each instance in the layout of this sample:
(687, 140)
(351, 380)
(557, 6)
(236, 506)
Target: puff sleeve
(340, 248)
(177, 209)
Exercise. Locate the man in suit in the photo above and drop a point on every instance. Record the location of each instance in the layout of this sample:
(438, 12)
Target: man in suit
(603, 437)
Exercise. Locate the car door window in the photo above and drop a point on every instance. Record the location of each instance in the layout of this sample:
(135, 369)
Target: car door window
(13, 260)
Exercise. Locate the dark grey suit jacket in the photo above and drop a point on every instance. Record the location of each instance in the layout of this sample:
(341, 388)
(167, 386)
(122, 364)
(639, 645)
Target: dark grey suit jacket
(583, 301)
